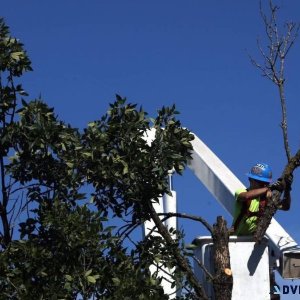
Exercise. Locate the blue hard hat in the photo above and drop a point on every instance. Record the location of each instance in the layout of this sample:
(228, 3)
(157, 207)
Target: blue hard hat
(261, 172)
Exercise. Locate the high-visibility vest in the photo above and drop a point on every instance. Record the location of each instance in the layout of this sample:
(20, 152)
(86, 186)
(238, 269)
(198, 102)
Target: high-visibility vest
(244, 218)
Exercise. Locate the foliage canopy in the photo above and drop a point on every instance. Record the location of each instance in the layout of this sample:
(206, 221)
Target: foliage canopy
(62, 188)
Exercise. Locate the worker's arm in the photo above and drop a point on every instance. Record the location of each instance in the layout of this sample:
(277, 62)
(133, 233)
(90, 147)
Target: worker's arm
(255, 193)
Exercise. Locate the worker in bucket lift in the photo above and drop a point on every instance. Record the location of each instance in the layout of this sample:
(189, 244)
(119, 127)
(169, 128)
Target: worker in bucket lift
(250, 202)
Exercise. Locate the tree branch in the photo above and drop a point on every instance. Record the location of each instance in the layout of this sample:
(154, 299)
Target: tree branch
(284, 121)
(272, 206)
(187, 216)
(182, 262)
(201, 265)
(273, 68)
(3, 206)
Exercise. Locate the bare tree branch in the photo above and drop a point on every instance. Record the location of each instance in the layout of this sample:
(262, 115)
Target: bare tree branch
(187, 216)
(279, 46)
(201, 265)
(273, 66)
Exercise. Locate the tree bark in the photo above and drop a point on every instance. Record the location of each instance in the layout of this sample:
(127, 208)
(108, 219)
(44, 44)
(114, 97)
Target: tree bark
(284, 120)
(3, 208)
(223, 280)
(272, 206)
(264, 222)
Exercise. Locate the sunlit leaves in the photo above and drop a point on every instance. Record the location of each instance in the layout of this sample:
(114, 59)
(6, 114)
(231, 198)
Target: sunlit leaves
(125, 169)
(13, 57)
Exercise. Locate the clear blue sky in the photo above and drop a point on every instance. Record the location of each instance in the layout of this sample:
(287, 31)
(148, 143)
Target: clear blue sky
(192, 53)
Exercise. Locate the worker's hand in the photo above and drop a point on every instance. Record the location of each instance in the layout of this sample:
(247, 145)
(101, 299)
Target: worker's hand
(269, 194)
(277, 185)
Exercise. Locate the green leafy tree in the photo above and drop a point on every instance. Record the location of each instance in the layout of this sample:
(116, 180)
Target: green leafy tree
(62, 189)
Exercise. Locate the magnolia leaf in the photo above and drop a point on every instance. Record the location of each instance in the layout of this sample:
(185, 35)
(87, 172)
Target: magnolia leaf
(87, 273)
(69, 277)
(116, 281)
(70, 164)
(16, 55)
(91, 279)
(157, 258)
(125, 169)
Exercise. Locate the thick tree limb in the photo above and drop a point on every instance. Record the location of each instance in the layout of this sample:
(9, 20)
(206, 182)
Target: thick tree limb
(223, 280)
(272, 206)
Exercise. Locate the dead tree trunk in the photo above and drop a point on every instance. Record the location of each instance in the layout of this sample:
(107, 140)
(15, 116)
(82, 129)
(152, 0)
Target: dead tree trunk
(272, 206)
(223, 281)
(264, 222)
